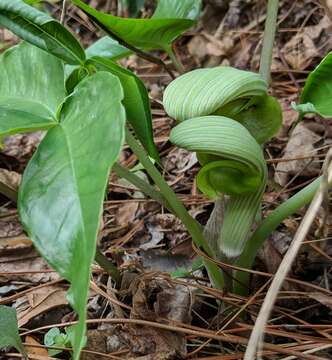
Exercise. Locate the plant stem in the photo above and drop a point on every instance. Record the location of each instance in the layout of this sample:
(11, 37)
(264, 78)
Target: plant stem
(268, 40)
(108, 266)
(193, 227)
(148, 189)
(271, 222)
(175, 60)
(267, 226)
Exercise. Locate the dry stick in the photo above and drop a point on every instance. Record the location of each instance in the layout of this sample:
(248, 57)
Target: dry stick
(271, 296)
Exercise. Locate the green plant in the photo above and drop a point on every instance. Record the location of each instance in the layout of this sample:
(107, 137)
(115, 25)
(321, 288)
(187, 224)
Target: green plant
(54, 337)
(9, 330)
(82, 99)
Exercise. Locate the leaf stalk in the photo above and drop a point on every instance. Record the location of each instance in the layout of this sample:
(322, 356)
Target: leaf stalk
(268, 40)
(193, 227)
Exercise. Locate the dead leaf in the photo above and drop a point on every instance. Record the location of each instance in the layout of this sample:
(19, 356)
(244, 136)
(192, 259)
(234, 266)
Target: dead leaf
(32, 350)
(216, 47)
(153, 344)
(10, 227)
(126, 213)
(21, 146)
(156, 235)
(39, 302)
(100, 339)
(301, 48)
(27, 267)
(157, 299)
(300, 144)
(197, 47)
(12, 239)
(9, 183)
(328, 7)
(160, 299)
(179, 161)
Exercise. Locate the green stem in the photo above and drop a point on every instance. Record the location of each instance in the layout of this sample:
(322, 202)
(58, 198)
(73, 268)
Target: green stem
(108, 266)
(268, 40)
(175, 60)
(267, 226)
(193, 227)
(148, 189)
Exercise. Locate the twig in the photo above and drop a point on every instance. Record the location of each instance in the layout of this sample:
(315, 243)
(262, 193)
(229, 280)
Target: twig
(256, 337)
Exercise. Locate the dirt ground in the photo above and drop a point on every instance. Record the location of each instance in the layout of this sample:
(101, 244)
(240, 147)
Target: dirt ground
(147, 243)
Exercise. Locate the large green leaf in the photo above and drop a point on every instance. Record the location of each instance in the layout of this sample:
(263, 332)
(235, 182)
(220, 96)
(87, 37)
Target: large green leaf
(108, 48)
(175, 9)
(9, 335)
(31, 89)
(19, 115)
(136, 102)
(317, 92)
(154, 33)
(62, 190)
(32, 74)
(41, 30)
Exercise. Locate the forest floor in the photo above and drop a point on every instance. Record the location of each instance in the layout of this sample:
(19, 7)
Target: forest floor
(147, 243)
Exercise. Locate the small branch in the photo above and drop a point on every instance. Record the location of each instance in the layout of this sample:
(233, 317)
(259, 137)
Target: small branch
(256, 338)
(268, 41)
(108, 266)
(139, 52)
(175, 60)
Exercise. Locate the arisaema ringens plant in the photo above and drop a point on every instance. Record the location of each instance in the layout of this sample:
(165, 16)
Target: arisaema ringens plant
(225, 115)
(88, 105)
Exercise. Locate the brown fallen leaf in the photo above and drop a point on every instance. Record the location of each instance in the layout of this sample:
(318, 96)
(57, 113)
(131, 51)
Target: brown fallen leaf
(126, 213)
(300, 144)
(301, 48)
(9, 183)
(157, 299)
(25, 266)
(39, 302)
(328, 7)
(197, 47)
(33, 350)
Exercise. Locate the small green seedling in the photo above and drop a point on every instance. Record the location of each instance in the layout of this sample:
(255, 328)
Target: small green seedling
(197, 264)
(54, 337)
